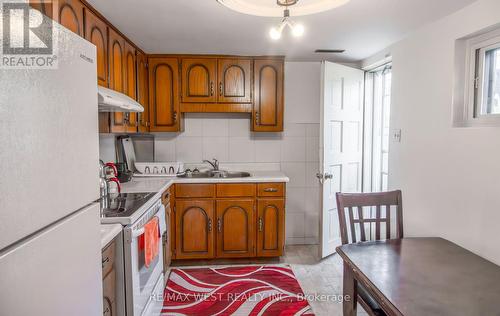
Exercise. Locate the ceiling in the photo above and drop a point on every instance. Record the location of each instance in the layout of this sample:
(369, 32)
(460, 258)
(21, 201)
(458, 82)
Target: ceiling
(361, 27)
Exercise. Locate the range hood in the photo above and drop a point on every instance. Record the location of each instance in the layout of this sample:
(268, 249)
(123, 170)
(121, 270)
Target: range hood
(112, 101)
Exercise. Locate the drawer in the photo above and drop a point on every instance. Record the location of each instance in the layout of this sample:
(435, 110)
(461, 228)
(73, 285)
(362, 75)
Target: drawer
(271, 189)
(195, 190)
(108, 258)
(236, 190)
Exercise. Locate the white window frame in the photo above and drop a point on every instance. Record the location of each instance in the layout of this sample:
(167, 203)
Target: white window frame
(468, 108)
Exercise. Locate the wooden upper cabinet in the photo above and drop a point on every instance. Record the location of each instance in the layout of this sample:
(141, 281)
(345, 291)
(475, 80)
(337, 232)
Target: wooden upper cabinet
(142, 92)
(195, 229)
(70, 15)
(164, 94)
(117, 76)
(235, 228)
(199, 80)
(270, 227)
(268, 95)
(234, 77)
(130, 84)
(44, 6)
(96, 32)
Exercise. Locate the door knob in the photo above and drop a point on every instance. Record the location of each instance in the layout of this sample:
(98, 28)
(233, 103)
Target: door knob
(322, 177)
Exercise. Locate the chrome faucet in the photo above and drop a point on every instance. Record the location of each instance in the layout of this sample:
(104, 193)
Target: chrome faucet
(214, 164)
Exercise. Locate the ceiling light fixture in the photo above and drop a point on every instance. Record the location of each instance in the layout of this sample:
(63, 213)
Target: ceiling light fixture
(296, 28)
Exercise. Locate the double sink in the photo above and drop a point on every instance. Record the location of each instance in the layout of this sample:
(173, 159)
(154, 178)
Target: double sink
(214, 174)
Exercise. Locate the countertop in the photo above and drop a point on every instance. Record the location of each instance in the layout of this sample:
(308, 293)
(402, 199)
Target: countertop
(158, 184)
(108, 233)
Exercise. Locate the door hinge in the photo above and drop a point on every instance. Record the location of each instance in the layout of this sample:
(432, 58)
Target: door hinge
(476, 83)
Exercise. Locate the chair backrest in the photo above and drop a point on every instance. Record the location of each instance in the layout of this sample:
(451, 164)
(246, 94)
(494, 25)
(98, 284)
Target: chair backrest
(370, 214)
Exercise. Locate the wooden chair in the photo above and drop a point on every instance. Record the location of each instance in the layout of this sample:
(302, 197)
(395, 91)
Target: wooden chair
(368, 217)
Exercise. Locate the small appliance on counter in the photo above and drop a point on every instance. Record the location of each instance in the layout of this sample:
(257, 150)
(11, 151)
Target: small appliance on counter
(124, 175)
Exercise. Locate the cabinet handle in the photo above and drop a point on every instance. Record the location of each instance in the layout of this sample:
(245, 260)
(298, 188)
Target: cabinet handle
(209, 224)
(211, 88)
(105, 261)
(220, 88)
(261, 224)
(274, 190)
(219, 225)
(175, 117)
(257, 118)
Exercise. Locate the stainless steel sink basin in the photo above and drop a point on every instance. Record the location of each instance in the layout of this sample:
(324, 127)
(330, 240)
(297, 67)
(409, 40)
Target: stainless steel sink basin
(214, 174)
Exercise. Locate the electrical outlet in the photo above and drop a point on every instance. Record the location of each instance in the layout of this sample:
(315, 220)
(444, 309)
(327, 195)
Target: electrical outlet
(396, 135)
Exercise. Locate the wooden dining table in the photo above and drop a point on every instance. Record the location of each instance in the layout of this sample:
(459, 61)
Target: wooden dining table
(420, 277)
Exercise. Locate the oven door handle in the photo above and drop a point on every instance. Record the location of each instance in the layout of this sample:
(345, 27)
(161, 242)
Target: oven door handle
(137, 233)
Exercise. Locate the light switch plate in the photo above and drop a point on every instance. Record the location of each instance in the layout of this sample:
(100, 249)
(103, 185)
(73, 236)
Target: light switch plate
(396, 135)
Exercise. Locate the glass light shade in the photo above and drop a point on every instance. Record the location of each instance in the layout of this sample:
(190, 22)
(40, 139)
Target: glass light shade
(298, 30)
(274, 33)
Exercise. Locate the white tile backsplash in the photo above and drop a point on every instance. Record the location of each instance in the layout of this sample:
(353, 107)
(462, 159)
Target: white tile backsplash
(296, 171)
(188, 149)
(228, 137)
(164, 150)
(216, 126)
(312, 149)
(241, 149)
(293, 149)
(216, 147)
(267, 149)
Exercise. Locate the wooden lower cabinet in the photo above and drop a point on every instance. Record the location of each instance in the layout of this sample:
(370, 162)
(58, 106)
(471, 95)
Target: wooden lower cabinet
(270, 227)
(109, 294)
(240, 220)
(109, 280)
(235, 228)
(195, 229)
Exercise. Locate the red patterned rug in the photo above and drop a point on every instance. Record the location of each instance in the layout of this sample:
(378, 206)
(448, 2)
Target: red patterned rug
(252, 290)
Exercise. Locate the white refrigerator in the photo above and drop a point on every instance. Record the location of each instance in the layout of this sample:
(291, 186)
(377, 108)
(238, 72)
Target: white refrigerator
(50, 253)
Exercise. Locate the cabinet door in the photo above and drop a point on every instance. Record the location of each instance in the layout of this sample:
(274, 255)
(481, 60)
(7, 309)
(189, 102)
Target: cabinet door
(235, 228)
(164, 94)
(270, 227)
(96, 32)
(109, 294)
(268, 96)
(142, 92)
(130, 85)
(234, 80)
(116, 76)
(199, 79)
(70, 15)
(194, 231)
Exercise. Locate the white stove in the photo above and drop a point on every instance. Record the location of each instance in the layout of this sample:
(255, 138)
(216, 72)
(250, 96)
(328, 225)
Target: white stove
(125, 208)
(143, 284)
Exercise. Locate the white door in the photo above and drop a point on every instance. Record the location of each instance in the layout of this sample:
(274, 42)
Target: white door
(341, 144)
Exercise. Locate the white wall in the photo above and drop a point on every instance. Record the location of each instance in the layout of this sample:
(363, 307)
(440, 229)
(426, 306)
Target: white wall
(227, 137)
(450, 177)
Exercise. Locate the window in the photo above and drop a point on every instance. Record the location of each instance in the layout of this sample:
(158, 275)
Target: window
(487, 83)
(377, 129)
(477, 80)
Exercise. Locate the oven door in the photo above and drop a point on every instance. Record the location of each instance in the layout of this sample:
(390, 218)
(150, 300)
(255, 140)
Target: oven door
(141, 280)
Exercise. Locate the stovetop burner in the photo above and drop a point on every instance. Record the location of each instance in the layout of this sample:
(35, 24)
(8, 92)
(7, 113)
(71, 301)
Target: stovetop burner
(124, 204)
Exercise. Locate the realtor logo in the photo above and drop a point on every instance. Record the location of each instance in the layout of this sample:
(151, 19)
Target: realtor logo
(27, 37)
